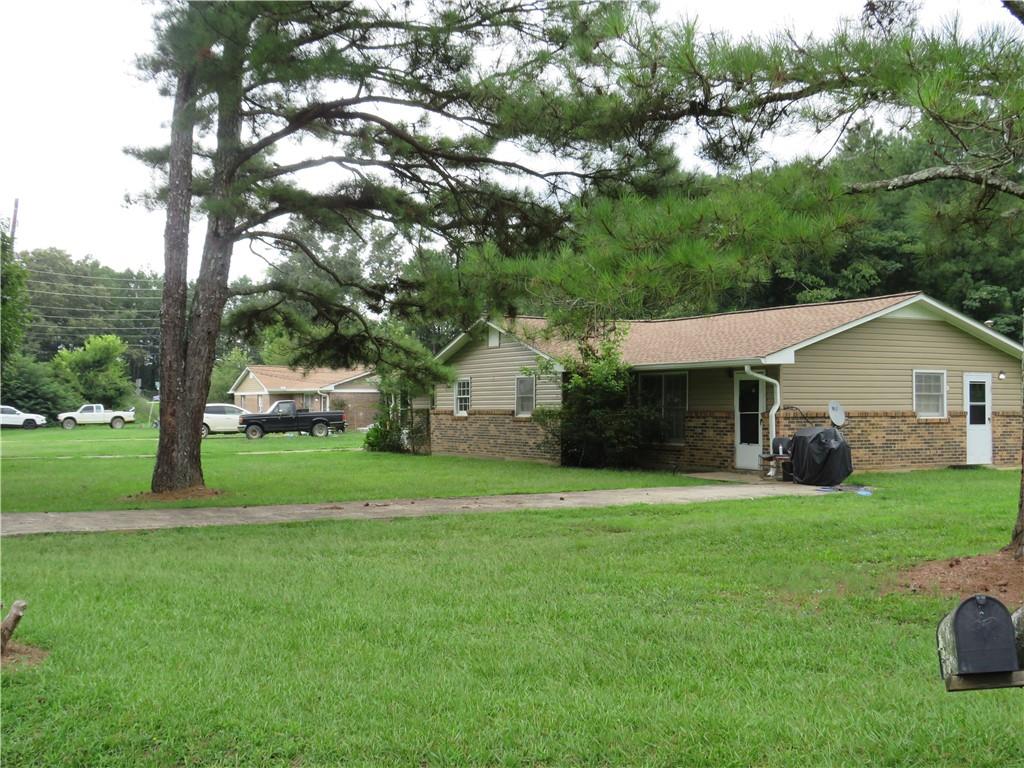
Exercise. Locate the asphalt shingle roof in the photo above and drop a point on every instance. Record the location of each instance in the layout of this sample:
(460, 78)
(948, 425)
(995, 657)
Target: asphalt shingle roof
(744, 335)
(284, 379)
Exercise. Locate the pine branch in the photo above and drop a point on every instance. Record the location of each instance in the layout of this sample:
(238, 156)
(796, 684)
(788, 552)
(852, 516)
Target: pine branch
(940, 173)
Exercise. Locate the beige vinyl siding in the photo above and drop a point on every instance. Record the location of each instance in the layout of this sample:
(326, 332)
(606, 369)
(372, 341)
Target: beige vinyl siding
(710, 389)
(492, 372)
(713, 389)
(249, 384)
(870, 367)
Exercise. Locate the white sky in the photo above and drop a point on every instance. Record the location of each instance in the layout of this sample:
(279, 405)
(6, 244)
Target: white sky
(72, 101)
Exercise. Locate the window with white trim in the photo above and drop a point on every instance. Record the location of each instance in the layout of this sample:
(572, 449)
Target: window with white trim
(930, 394)
(665, 394)
(526, 395)
(462, 397)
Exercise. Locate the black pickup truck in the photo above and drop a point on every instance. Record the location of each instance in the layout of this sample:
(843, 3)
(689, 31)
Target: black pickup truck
(284, 417)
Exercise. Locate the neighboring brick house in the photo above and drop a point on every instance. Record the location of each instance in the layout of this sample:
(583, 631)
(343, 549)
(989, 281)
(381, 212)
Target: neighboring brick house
(353, 390)
(922, 384)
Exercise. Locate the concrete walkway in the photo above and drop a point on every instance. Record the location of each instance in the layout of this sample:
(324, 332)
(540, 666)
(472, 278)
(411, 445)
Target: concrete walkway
(27, 523)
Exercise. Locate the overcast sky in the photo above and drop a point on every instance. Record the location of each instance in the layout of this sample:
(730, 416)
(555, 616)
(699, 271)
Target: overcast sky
(72, 101)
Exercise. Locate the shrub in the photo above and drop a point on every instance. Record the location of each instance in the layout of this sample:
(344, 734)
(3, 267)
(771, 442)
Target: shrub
(600, 422)
(386, 433)
(34, 387)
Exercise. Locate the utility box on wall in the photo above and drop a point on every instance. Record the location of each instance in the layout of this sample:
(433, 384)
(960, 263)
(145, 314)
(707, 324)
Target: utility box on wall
(980, 645)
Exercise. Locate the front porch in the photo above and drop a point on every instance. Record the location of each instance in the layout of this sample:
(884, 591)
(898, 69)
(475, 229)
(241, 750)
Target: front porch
(712, 419)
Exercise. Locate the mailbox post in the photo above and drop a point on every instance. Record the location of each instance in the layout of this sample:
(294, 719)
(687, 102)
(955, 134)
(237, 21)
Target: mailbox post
(981, 646)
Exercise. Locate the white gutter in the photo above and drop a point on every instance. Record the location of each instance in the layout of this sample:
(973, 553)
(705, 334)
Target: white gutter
(777, 401)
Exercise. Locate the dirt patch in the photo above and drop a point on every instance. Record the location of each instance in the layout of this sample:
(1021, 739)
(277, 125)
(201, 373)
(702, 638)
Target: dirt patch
(195, 492)
(19, 655)
(997, 574)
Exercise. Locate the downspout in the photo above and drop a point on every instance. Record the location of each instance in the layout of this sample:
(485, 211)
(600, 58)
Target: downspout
(776, 401)
(326, 395)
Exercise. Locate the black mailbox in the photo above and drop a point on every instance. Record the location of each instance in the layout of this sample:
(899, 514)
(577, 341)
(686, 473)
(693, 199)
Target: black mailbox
(977, 638)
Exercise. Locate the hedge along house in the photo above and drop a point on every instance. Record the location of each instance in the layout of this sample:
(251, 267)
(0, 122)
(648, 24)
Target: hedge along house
(258, 387)
(922, 385)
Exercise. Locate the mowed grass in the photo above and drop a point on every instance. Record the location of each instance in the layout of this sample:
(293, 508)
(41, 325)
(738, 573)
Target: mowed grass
(50, 470)
(727, 634)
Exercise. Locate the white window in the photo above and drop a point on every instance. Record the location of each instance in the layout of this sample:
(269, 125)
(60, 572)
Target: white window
(526, 395)
(462, 397)
(259, 403)
(930, 394)
(493, 337)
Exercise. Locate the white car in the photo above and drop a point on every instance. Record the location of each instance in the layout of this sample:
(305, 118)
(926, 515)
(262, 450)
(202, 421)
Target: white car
(221, 417)
(95, 414)
(12, 417)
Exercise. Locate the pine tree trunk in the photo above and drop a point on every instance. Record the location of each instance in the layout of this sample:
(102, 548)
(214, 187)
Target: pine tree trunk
(1017, 539)
(189, 336)
(177, 459)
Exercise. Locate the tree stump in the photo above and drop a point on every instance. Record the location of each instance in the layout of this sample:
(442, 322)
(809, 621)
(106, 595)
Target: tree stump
(10, 622)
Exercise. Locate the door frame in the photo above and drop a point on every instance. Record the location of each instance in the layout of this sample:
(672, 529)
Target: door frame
(987, 379)
(756, 463)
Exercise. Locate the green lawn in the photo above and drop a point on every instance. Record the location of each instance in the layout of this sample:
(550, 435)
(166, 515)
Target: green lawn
(727, 634)
(51, 470)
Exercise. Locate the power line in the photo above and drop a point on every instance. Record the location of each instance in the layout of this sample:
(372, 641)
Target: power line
(38, 271)
(76, 318)
(133, 310)
(110, 328)
(93, 295)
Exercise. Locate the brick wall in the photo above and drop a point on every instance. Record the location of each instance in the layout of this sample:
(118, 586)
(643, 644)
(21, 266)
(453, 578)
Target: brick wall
(490, 433)
(709, 443)
(360, 407)
(898, 439)
(879, 440)
(1006, 439)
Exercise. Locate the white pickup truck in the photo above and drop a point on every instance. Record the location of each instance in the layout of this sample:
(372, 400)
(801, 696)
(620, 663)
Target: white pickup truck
(95, 414)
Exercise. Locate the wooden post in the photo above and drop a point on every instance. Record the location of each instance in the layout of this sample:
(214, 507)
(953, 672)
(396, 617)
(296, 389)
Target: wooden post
(10, 622)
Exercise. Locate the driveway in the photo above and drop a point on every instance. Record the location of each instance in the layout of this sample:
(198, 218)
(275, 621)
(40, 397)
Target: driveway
(27, 523)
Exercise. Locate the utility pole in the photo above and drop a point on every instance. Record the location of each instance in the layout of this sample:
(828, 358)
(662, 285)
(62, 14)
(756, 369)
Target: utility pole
(14, 221)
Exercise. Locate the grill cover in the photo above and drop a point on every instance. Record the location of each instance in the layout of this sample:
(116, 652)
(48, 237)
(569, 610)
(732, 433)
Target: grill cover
(821, 456)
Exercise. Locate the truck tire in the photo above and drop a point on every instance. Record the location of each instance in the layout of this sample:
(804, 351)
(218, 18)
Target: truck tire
(116, 423)
(320, 429)
(69, 423)
(254, 431)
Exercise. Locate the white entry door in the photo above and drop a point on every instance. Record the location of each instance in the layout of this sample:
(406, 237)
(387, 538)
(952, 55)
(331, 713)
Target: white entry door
(749, 406)
(978, 405)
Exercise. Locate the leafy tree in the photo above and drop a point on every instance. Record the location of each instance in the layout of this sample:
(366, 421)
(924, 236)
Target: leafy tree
(97, 371)
(72, 299)
(14, 313)
(226, 371)
(35, 387)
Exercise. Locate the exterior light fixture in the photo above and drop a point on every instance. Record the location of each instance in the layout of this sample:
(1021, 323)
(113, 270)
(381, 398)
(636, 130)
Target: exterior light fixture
(1002, 375)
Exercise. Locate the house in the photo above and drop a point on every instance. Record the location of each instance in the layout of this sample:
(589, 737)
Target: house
(922, 384)
(353, 390)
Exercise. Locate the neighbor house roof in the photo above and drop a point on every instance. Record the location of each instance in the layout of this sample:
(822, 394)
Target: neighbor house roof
(763, 336)
(281, 378)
